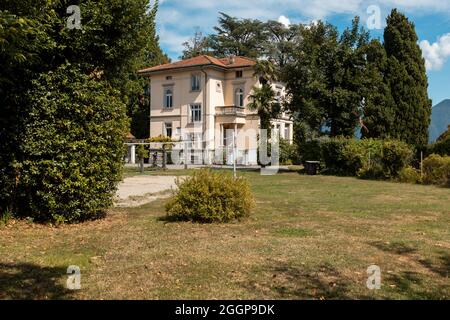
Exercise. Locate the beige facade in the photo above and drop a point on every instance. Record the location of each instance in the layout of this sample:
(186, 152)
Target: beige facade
(207, 104)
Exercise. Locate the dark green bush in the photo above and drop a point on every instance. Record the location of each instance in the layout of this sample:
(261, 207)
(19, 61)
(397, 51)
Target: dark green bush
(210, 197)
(436, 170)
(334, 157)
(310, 151)
(72, 148)
(366, 158)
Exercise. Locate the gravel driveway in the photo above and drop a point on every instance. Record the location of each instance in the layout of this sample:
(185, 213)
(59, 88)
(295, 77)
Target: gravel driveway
(136, 191)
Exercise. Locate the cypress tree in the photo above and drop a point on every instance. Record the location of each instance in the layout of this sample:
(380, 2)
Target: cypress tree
(378, 102)
(407, 78)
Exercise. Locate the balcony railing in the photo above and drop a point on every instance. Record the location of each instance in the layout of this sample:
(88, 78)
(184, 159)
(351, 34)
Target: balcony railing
(230, 111)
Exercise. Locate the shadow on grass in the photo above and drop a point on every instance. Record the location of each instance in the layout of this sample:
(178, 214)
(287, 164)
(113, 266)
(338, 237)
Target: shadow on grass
(394, 247)
(411, 285)
(25, 281)
(169, 219)
(442, 269)
(295, 282)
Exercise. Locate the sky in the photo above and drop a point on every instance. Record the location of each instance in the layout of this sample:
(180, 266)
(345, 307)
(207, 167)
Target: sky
(178, 19)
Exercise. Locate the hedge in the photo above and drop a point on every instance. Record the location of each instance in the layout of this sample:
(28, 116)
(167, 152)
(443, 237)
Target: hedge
(72, 148)
(366, 158)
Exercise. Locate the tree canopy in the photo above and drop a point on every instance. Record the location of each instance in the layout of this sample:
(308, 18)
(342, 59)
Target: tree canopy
(63, 97)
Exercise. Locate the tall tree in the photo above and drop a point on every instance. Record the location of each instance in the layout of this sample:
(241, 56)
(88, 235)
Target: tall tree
(281, 40)
(324, 80)
(407, 78)
(305, 77)
(240, 37)
(378, 106)
(346, 74)
(197, 45)
(64, 100)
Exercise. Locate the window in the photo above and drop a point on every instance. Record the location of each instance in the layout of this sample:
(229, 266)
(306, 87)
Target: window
(239, 97)
(169, 78)
(168, 98)
(168, 126)
(196, 113)
(239, 74)
(195, 82)
(178, 131)
(286, 131)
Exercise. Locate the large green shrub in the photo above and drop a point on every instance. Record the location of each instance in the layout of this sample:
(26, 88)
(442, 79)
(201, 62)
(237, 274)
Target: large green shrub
(363, 158)
(334, 156)
(366, 158)
(409, 175)
(288, 153)
(436, 170)
(310, 150)
(210, 197)
(72, 147)
(396, 156)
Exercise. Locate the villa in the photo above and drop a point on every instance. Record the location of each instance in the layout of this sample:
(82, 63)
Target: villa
(203, 100)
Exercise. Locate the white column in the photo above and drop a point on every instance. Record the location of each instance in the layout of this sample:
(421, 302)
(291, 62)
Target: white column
(133, 154)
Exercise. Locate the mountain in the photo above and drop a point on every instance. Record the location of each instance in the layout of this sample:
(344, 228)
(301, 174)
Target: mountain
(440, 119)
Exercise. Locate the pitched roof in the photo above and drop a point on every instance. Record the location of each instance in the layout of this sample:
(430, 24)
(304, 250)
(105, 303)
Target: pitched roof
(199, 61)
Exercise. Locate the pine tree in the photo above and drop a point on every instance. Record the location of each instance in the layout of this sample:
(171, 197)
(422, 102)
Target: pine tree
(241, 37)
(408, 82)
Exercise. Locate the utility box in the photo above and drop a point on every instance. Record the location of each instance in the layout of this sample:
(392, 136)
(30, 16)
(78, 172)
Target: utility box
(312, 167)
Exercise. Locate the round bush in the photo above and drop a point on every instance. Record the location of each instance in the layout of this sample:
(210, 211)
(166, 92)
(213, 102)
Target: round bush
(409, 175)
(436, 170)
(208, 197)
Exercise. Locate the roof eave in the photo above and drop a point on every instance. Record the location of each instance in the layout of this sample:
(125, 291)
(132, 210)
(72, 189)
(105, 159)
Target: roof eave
(184, 68)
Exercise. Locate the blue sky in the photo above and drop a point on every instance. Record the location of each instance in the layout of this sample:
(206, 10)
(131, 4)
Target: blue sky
(177, 20)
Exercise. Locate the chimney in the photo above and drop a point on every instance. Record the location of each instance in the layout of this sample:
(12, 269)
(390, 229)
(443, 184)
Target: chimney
(232, 59)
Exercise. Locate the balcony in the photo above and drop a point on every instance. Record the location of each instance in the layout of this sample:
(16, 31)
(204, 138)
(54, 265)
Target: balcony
(230, 111)
(230, 115)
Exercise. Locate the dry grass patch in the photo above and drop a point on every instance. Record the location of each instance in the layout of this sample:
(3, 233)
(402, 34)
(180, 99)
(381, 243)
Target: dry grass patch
(308, 238)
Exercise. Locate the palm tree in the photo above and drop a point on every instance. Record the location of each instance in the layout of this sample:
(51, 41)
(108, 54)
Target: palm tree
(263, 100)
(266, 72)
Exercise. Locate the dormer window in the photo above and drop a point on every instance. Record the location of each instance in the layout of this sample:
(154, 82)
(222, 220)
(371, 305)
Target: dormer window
(168, 98)
(195, 82)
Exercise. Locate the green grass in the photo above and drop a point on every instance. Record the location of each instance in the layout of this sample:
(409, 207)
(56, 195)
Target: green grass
(310, 237)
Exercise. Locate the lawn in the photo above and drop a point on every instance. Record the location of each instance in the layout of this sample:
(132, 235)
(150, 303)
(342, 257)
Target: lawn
(310, 237)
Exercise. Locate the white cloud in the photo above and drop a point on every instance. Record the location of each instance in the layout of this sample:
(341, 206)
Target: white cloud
(437, 53)
(284, 20)
(172, 40)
